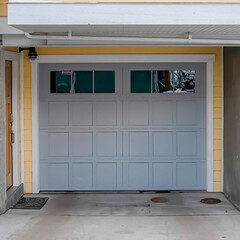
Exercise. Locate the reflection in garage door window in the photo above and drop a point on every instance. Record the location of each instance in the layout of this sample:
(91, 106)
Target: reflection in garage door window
(183, 80)
(175, 81)
(161, 82)
(60, 81)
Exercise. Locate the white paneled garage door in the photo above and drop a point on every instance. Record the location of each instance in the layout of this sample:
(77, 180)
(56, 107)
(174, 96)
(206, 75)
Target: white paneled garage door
(122, 126)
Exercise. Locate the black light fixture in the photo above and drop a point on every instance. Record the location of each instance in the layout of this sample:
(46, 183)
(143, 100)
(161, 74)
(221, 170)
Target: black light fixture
(32, 55)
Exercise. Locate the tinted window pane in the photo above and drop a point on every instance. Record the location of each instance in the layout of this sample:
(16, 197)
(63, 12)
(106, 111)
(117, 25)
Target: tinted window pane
(161, 82)
(83, 81)
(140, 81)
(183, 80)
(104, 82)
(60, 81)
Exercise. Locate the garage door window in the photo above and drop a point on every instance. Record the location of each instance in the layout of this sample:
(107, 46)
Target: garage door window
(82, 82)
(140, 81)
(60, 81)
(175, 81)
(104, 82)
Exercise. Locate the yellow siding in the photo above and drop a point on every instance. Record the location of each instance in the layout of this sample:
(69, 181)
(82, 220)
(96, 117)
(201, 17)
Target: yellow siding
(28, 187)
(127, 50)
(27, 124)
(3, 8)
(11, 49)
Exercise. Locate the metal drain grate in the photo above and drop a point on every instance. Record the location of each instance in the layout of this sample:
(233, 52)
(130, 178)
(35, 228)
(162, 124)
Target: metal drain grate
(210, 201)
(30, 203)
(159, 200)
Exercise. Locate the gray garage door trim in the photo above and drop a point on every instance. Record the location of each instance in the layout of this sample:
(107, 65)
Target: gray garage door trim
(129, 142)
(183, 58)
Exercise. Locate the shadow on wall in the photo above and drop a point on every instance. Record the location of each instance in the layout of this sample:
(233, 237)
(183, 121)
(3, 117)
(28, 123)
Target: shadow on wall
(231, 124)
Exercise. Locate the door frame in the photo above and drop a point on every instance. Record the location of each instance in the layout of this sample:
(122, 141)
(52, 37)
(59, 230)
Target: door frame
(14, 57)
(208, 59)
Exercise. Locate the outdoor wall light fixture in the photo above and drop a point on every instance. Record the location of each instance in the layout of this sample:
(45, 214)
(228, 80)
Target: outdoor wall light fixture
(32, 55)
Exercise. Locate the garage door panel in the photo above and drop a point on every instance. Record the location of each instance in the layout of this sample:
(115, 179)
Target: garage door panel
(106, 175)
(163, 143)
(82, 175)
(43, 117)
(138, 175)
(187, 144)
(201, 150)
(187, 113)
(138, 113)
(43, 142)
(58, 114)
(81, 113)
(106, 113)
(201, 174)
(139, 144)
(163, 112)
(163, 174)
(201, 113)
(190, 113)
(106, 144)
(190, 144)
(187, 175)
(81, 144)
(58, 144)
(43, 176)
(58, 176)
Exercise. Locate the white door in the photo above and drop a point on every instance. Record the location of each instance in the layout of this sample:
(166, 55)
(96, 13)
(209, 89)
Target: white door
(122, 126)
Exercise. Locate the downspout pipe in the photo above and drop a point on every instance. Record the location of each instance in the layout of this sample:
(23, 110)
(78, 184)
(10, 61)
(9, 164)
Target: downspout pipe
(188, 40)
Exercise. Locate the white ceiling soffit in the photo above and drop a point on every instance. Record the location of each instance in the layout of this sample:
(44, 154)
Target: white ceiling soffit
(102, 21)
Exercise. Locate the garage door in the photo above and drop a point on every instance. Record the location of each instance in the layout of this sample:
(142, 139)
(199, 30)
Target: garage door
(122, 126)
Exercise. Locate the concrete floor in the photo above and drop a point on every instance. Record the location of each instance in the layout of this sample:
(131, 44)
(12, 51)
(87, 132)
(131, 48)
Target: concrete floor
(123, 216)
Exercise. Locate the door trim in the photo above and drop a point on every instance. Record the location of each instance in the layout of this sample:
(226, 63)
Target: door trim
(208, 59)
(14, 57)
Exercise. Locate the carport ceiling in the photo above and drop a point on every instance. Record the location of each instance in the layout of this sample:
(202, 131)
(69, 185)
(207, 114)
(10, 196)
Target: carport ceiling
(139, 20)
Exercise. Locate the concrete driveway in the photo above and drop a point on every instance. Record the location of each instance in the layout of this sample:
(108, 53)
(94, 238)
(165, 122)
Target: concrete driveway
(123, 216)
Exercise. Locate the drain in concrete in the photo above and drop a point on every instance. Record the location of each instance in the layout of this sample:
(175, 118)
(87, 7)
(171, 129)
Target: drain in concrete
(210, 201)
(159, 200)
